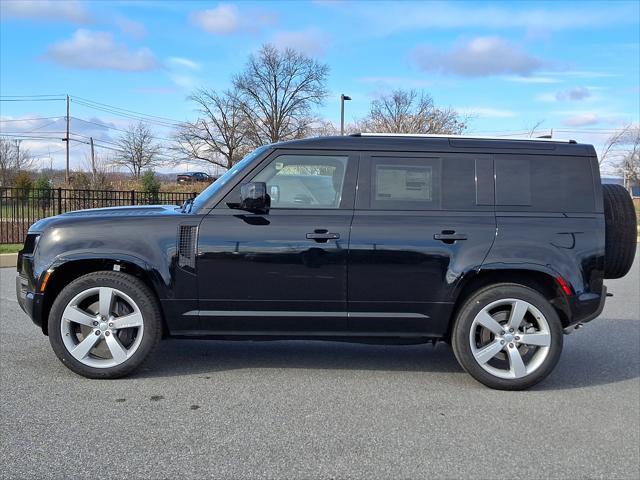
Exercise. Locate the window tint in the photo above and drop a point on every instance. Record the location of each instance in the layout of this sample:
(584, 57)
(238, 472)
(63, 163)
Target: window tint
(513, 177)
(405, 183)
(544, 183)
(304, 181)
(451, 182)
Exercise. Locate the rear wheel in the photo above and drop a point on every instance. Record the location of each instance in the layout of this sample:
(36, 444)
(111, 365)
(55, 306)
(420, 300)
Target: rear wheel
(104, 324)
(507, 336)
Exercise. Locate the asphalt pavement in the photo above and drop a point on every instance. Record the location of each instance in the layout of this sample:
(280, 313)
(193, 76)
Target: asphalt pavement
(209, 409)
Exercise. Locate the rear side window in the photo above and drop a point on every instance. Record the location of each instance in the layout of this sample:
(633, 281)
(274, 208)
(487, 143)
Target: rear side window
(405, 183)
(410, 182)
(544, 183)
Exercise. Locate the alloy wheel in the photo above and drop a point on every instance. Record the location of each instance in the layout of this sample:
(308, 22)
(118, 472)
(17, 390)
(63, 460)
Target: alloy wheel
(510, 338)
(102, 327)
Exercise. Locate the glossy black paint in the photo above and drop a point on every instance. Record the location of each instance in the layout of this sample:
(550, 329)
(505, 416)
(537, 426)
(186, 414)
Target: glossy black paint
(380, 272)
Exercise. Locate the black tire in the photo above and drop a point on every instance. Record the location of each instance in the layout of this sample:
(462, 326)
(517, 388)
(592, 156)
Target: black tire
(138, 292)
(620, 231)
(461, 343)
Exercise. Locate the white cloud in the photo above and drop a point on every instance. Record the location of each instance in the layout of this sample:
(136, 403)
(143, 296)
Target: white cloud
(226, 19)
(533, 79)
(388, 18)
(131, 27)
(486, 112)
(580, 74)
(586, 118)
(582, 120)
(568, 95)
(578, 93)
(396, 82)
(99, 51)
(46, 10)
(478, 57)
(186, 81)
(311, 41)
(182, 62)
(222, 20)
(181, 72)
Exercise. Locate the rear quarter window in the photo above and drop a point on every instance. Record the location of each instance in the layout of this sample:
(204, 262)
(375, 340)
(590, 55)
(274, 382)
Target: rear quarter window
(546, 183)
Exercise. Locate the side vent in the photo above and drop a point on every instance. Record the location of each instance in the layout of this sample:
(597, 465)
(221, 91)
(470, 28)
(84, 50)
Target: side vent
(187, 246)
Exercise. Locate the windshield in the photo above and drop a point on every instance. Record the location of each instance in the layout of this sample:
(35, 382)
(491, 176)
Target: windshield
(203, 198)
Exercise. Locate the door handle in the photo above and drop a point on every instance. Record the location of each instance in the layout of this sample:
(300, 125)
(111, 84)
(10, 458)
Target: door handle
(322, 236)
(448, 236)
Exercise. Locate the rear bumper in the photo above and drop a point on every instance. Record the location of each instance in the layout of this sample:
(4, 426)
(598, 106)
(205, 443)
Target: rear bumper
(587, 309)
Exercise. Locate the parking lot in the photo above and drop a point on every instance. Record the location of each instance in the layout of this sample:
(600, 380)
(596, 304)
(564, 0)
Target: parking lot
(321, 410)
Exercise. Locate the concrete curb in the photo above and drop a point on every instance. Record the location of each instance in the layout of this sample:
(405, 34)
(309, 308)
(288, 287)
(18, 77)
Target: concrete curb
(8, 260)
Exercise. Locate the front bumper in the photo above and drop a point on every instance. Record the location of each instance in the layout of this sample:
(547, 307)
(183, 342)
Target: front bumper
(30, 302)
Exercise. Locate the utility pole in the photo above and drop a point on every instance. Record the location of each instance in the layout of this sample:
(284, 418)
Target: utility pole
(18, 152)
(93, 160)
(66, 173)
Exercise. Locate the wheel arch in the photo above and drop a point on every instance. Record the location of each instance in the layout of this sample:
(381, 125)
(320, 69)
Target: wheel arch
(63, 273)
(543, 281)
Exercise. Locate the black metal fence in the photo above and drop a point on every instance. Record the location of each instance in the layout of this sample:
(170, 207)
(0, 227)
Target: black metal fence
(20, 207)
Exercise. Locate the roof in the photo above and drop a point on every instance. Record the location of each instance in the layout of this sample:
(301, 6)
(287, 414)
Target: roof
(439, 143)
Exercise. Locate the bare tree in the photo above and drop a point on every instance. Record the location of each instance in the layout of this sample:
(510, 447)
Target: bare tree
(629, 164)
(13, 158)
(6, 160)
(410, 111)
(138, 150)
(611, 147)
(101, 168)
(323, 128)
(278, 90)
(219, 135)
(533, 128)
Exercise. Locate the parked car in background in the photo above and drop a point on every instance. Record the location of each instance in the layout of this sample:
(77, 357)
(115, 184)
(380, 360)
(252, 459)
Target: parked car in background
(494, 246)
(194, 177)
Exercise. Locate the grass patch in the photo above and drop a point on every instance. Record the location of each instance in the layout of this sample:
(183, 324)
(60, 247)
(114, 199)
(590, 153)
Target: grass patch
(10, 247)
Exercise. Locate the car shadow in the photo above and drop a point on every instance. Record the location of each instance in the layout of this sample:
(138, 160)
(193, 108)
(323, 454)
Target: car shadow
(180, 357)
(589, 358)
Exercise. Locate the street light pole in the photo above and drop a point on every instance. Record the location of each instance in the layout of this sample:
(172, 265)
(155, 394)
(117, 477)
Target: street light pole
(66, 171)
(343, 97)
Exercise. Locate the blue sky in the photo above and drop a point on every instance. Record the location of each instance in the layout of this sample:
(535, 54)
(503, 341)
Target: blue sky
(573, 65)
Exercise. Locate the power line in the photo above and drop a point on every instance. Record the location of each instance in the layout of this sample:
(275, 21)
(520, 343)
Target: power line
(118, 112)
(171, 120)
(27, 119)
(118, 129)
(29, 137)
(133, 117)
(30, 99)
(33, 96)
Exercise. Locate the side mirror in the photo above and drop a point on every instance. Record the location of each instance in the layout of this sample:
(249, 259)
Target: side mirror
(254, 197)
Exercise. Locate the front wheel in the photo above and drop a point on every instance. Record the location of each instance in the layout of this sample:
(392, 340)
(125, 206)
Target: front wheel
(507, 336)
(104, 324)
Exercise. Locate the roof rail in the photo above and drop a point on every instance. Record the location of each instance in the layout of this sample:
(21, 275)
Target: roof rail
(477, 137)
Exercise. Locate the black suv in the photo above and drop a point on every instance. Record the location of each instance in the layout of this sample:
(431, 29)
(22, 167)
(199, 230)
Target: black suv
(494, 246)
